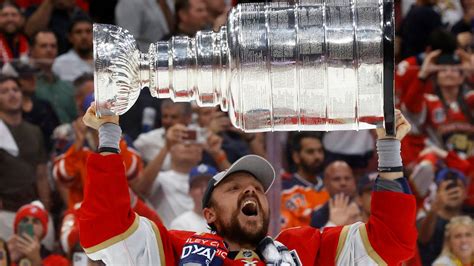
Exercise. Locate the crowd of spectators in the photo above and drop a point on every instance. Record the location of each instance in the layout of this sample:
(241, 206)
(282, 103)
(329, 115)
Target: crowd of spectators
(171, 150)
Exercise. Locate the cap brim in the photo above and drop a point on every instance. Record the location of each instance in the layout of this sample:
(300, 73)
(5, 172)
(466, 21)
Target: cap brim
(253, 164)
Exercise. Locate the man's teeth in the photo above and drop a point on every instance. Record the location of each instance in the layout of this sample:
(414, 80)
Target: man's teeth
(465, 247)
(249, 208)
(249, 202)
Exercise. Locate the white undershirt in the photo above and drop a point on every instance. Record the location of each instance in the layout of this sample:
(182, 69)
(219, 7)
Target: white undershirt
(169, 195)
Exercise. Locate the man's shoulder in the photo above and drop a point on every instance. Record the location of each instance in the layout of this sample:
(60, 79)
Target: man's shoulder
(67, 57)
(171, 177)
(152, 135)
(29, 127)
(305, 240)
(291, 181)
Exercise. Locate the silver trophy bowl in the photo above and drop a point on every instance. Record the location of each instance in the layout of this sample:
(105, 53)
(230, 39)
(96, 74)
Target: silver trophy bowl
(313, 65)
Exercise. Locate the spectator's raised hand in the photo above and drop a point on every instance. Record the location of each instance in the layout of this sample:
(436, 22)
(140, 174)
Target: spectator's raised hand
(466, 60)
(213, 145)
(429, 65)
(450, 193)
(220, 122)
(175, 134)
(342, 210)
(30, 247)
(24, 247)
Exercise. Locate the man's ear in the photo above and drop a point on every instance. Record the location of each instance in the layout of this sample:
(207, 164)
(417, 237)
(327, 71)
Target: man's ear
(209, 215)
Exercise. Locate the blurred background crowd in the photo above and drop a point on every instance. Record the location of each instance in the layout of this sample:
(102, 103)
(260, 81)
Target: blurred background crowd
(171, 150)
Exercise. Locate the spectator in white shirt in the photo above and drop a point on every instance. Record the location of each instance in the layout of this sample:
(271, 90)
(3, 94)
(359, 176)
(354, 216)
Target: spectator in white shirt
(79, 59)
(193, 220)
(150, 144)
(169, 193)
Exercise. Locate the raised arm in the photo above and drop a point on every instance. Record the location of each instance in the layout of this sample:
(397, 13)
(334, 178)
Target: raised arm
(389, 237)
(152, 170)
(109, 230)
(413, 99)
(40, 18)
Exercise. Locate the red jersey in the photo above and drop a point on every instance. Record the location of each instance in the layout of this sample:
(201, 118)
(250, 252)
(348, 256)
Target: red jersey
(112, 232)
(448, 127)
(22, 47)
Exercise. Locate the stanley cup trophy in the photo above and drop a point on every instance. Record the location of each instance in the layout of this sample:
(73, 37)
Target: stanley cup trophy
(313, 65)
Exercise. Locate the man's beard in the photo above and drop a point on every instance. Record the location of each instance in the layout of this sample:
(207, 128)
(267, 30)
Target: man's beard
(313, 169)
(233, 231)
(83, 52)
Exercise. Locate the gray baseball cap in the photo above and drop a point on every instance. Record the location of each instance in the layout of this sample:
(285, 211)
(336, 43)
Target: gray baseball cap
(255, 165)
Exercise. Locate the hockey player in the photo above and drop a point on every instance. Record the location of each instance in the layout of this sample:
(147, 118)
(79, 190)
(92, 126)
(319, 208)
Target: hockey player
(237, 210)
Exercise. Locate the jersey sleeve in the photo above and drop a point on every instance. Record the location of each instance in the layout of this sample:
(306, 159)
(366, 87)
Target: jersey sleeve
(388, 238)
(109, 230)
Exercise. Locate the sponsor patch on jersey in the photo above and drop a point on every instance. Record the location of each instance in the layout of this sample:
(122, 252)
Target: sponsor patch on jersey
(439, 115)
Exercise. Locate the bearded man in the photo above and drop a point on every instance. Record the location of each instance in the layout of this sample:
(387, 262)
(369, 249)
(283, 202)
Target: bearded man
(236, 209)
(303, 192)
(13, 43)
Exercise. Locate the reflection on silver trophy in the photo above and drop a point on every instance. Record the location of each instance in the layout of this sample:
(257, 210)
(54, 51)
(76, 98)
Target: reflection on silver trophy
(315, 65)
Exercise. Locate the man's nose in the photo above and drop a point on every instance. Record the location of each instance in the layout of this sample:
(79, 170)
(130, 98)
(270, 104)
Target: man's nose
(250, 190)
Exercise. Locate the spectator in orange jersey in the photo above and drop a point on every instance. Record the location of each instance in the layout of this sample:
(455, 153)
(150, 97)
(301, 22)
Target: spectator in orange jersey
(303, 192)
(69, 167)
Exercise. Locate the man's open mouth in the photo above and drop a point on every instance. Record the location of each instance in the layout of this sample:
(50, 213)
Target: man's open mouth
(250, 208)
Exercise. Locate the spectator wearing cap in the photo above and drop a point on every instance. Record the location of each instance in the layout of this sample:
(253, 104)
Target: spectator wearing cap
(31, 226)
(56, 15)
(78, 60)
(13, 43)
(49, 86)
(341, 209)
(194, 220)
(447, 203)
(35, 110)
